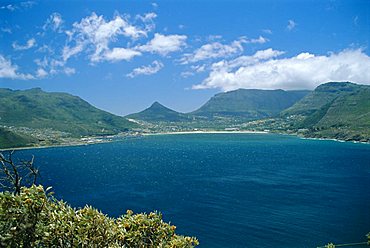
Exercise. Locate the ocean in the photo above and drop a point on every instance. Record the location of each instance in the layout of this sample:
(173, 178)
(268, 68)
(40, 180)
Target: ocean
(228, 190)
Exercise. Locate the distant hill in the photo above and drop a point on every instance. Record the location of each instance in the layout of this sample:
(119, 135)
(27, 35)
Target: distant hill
(63, 112)
(249, 103)
(335, 109)
(322, 95)
(159, 113)
(9, 139)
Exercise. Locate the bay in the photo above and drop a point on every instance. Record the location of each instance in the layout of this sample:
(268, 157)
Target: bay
(229, 190)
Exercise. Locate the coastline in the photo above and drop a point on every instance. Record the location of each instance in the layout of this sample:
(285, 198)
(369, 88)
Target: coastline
(103, 141)
(143, 134)
(58, 145)
(204, 132)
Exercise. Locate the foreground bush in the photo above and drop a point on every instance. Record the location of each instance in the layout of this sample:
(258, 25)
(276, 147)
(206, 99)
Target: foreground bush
(34, 219)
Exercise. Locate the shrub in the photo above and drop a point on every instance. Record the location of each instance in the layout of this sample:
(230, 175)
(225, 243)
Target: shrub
(34, 219)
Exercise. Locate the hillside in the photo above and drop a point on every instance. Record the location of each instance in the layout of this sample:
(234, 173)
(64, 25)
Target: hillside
(249, 103)
(10, 139)
(159, 113)
(322, 95)
(335, 110)
(62, 112)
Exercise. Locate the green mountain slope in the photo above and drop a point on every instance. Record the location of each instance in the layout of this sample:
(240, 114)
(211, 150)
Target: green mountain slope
(335, 110)
(159, 113)
(9, 139)
(63, 112)
(249, 103)
(322, 95)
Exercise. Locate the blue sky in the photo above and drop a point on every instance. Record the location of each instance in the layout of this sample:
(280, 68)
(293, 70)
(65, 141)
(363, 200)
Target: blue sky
(123, 55)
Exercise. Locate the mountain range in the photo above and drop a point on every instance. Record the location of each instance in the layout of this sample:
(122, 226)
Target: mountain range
(333, 110)
(249, 104)
(35, 108)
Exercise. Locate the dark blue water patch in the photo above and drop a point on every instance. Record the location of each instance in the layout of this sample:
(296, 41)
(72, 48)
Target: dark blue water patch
(229, 190)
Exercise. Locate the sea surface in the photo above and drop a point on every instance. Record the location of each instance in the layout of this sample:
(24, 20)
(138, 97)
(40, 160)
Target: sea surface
(229, 190)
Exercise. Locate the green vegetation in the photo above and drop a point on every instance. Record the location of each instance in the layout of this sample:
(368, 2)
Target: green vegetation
(34, 219)
(157, 112)
(63, 112)
(339, 110)
(322, 95)
(31, 217)
(10, 139)
(359, 244)
(334, 110)
(249, 103)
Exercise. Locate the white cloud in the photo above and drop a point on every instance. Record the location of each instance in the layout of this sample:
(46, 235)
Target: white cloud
(267, 31)
(304, 71)
(54, 22)
(146, 70)
(30, 43)
(10, 7)
(248, 60)
(41, 73)
(8, 70)
(212, 51)
(27, 4)
(147, 17)
(194, 69)
(267, 54)
(164, 44)
(6, 30)
(94, 33)
(71, 51)
(21, 5)
(120, 53)
(259, 40)
(52, 66)
(291, 25)
(69, 71)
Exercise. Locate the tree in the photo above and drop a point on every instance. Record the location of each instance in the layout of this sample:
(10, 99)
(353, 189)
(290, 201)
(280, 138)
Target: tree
(14, 175)
(31, 217)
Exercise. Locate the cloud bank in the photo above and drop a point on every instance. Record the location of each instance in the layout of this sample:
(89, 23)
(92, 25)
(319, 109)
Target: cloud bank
(264, 70)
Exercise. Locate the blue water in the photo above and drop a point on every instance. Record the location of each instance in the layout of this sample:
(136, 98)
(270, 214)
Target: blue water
(229, 190)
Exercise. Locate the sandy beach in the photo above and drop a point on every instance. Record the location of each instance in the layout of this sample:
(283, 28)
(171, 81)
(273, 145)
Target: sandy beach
(206, 132)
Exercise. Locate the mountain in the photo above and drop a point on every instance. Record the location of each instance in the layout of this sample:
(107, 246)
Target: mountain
(322, 95)
(62, 112)
(249, 103)
(159, 113)
(336, 110)
(10, 139)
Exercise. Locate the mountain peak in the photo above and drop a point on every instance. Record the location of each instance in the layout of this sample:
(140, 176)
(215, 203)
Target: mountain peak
(158, 112)
(332, 87)
(156, 104)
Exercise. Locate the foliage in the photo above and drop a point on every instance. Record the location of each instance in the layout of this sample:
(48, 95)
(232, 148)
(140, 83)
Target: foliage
(37, 109)
(10, 139)
(330, 245)
(35, 219)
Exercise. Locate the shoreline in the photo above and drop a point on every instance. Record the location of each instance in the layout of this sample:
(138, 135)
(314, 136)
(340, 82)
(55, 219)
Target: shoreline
(180, 133)
(54, 146)
(205, 132)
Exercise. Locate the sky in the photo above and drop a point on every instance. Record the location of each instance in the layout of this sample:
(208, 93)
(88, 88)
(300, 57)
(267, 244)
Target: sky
(121, 56)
